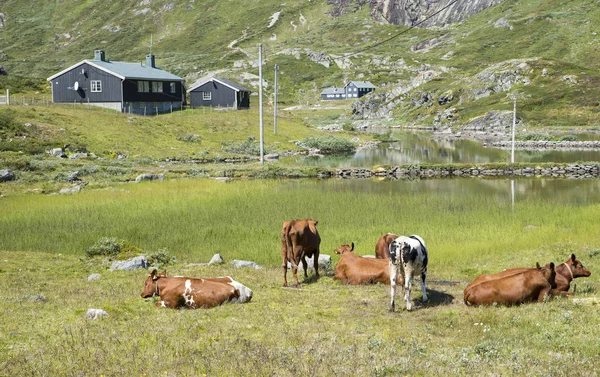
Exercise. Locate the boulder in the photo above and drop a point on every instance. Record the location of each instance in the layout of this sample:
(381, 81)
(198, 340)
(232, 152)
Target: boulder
(324, 263)
(130, 264)
(6, 175)
(70, 190)
(245, 263)
(149, 177)
(57, 152)
(95, 314)
(216, 259)
(94, 277)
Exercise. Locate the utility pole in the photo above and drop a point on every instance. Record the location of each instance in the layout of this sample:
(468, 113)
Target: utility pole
(260, 105)
(512, 150)
(275, 103)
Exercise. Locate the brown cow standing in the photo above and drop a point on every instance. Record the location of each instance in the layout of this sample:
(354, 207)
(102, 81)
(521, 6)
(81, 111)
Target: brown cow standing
(526, 286)
(299, 240)
(382, 247)
(192, 293)
(356, 270)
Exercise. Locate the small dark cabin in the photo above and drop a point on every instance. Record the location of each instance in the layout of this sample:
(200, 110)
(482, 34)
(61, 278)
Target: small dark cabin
(127, 87)
(219, 92)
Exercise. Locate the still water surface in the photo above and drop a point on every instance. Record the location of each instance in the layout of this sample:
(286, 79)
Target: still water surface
(418, 148)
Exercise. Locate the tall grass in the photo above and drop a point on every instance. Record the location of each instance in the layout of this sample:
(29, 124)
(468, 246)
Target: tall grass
(242, 220)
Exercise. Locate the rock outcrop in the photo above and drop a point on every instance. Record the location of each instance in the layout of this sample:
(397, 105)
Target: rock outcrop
(413, 12)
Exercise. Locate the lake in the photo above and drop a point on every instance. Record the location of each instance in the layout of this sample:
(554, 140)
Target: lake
(419, 148)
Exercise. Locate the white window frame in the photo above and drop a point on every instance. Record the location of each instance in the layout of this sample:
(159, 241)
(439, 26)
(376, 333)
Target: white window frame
(96, 86)
(143, 86)
(206, 96)
(173, 87)
(157, 87)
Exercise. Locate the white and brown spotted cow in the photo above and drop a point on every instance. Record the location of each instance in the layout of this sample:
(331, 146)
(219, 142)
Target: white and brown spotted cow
(408, 257)
(192, 293)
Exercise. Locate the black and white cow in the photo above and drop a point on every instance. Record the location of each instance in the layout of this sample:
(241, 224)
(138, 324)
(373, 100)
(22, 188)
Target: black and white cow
(408, 257)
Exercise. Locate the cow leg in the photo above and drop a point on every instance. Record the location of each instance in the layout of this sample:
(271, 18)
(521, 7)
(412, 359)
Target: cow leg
(305, 265)
(393, 278)
(424, 285)
(285, 275)
(316, 263)
(407, 286)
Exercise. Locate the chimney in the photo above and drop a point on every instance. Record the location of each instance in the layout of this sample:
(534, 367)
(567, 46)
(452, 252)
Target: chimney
(99, 55)
(150, 61)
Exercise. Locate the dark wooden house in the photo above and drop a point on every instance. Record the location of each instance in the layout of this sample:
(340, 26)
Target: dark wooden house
(139, 88)
(219, 92)
(357, 89)
(353, 89)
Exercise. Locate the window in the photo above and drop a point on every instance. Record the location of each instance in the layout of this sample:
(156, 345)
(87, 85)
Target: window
(206, 96)
(157, 87)
(96, 86)
(173, 87)
(143, 86)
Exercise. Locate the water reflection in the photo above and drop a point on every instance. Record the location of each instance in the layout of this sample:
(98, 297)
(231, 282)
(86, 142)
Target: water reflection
(555, 190)
(419, 148)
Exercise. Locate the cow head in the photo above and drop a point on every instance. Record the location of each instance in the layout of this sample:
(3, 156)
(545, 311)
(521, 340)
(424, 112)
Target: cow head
(577, 267)
(151, 283)
(548, 272)
(344, 249)
(397, 248)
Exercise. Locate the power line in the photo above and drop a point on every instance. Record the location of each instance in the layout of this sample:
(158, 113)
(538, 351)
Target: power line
(402, 32)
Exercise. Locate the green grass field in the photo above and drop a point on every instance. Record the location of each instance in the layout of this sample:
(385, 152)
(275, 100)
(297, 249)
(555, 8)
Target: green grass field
(323, 329)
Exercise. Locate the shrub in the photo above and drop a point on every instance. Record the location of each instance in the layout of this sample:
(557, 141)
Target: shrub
(190, 138)
(537, 137)
(330, 144)
(111, 247)
(249, 147)
(568, 138)
(105, 246)
(161, 258)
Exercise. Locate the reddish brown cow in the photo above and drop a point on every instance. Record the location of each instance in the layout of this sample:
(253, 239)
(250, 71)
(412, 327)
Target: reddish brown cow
(356, 270)
(566, 272)
(526, 286)
(299, 240)
(192, 293)
(383, 244)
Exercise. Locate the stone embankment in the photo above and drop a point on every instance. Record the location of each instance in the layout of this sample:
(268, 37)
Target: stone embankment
(544, 144)
(573, 171)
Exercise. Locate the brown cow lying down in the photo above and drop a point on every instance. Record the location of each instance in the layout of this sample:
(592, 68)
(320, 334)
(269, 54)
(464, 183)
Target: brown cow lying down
(192, 293)
(383, 244)
(565, 273)
(512, 287)
(356, 270)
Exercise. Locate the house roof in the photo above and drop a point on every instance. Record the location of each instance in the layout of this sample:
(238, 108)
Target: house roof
(231, 84)
(362, 84)
(125, 70)
(334, 91)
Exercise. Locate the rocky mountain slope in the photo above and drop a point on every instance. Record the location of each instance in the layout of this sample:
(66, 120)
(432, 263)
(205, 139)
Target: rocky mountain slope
(462, 64)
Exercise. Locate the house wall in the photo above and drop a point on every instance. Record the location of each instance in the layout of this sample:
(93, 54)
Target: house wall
(84, 74)
(221, 95)
(131, 94)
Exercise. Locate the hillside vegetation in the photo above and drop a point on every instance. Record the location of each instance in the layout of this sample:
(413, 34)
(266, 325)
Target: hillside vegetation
(470, 60)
